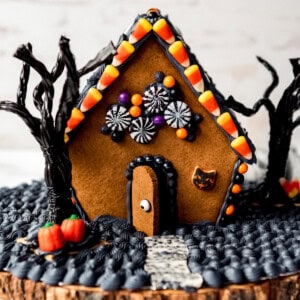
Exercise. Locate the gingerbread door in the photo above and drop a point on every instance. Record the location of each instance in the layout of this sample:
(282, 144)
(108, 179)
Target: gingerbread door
(145, 200)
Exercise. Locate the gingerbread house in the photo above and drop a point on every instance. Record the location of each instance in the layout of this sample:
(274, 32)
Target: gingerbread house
(151, 138)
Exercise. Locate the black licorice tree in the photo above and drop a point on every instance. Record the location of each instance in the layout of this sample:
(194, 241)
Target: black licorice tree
(47, 129)
(282, 125)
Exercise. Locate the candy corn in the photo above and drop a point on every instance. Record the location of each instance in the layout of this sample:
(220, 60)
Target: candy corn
(66, 138)
(291, 188)
(92, 97)
(76, 117)
(226, 122)
(194, 76)
(241, 146)
(178, 51)
(123, 52)
(109, 75)
(162, 28)
(208, 100)
(141, 28)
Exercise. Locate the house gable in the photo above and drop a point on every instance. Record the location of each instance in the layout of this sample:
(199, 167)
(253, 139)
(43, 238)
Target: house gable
(218, 126)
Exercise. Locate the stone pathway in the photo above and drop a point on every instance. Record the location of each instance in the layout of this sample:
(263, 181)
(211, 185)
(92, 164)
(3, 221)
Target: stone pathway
(167, 264)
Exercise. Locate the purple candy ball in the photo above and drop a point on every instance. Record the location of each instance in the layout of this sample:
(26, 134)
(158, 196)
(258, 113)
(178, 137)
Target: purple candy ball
(124, 98)
(159, 120)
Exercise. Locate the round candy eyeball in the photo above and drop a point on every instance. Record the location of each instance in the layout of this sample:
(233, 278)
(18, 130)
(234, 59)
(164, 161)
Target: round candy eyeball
(145, 205)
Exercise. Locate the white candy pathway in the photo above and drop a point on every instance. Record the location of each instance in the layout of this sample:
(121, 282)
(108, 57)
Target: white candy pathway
(167, 264)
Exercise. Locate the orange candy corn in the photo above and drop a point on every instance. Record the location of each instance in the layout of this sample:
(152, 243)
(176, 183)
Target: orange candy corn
(226, 122)
(194, 76)
(92, 97)
(208, 100)
(241, 146)
(108, 77)
(162, 28)
(141, 28)
(76, 117)
(123, 52)
(178, 51)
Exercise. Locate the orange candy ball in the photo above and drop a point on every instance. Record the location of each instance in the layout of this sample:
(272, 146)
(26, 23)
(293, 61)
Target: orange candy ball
(169, 81)
(135, 111)
(236, 189)
(181, 133)
(229, 210)
(243, 168)
(137, 99)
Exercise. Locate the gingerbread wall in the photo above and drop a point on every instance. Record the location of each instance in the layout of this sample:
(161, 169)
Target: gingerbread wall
(99, 163)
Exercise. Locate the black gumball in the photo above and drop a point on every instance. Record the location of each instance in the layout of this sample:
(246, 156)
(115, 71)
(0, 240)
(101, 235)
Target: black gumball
(117, 136)
(197, 118)
(159, 77)
(105, 129)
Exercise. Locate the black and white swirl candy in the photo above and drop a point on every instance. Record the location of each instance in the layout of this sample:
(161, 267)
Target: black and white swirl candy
(177, 114)
(142, 130)
(156, 98)
(117, 118)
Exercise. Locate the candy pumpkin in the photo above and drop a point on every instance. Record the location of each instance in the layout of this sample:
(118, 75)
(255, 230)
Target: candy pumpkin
(50, 237)
(73, 229)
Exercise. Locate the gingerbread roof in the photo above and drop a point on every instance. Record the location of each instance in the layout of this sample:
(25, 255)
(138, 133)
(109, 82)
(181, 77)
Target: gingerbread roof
(172, 43)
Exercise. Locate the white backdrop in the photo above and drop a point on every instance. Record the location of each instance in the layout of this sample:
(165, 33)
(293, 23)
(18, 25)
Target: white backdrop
(226, 36)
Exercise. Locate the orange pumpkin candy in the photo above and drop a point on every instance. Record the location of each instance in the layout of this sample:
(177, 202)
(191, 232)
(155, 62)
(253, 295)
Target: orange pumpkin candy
(50, 237)
(73, 229)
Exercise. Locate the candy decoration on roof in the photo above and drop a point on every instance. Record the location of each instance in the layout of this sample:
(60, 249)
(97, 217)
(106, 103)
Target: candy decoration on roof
(117, 118)
(109, 75)
(141, 28)
(179, 53)
(241, 146)
(162, 28)
(76, 118)
(156, 98)
(124, 51)
(177, 114)
(92, 97)
(142, 130)
(291, 188)
(226, 122)
(243, 168)
(194, 76)
(208, 100)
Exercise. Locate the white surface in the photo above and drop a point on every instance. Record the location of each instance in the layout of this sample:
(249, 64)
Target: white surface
(225, 36)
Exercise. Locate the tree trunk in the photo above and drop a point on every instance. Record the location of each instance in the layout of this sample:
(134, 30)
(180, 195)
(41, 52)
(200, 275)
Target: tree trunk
(58, 181)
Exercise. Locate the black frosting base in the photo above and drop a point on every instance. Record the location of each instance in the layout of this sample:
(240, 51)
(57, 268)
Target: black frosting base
(253, 247)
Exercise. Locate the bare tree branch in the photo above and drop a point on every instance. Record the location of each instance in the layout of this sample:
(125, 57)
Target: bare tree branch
(103, 55)
(241, 108)
(55, 74)
(24, 77)
(275, 78)
(70, 92)
(32, 122)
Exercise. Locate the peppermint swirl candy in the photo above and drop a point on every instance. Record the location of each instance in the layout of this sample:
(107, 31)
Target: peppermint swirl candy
(117, 118)
(142, 130)
(177, 114)
(156, 98)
